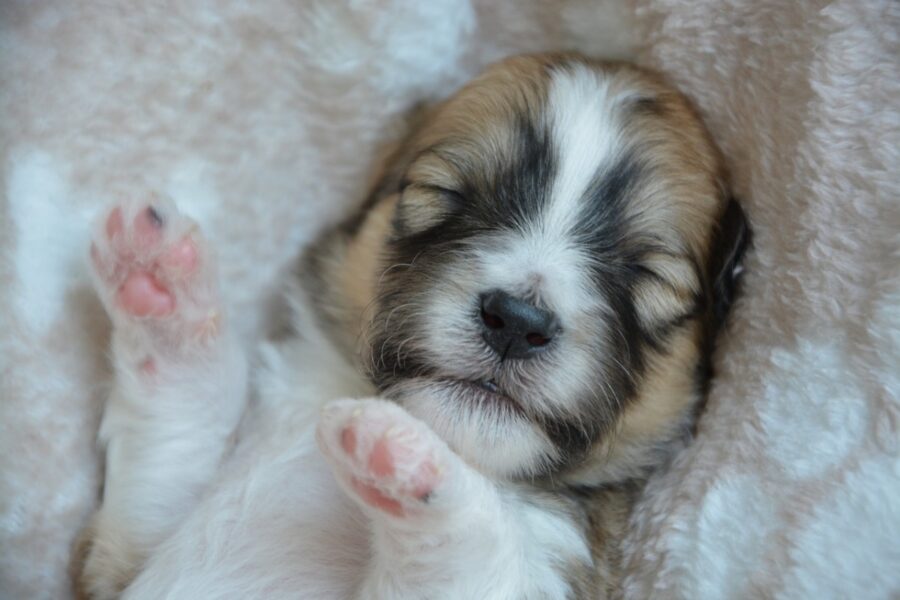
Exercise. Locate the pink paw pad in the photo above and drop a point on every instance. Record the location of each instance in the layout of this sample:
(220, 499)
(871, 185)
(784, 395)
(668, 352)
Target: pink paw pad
(115, 224)
(181, 256)
(143, 296)
(149, 263)
(387, 464)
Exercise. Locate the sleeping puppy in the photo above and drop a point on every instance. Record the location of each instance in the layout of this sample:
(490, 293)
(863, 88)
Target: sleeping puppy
(532, 292)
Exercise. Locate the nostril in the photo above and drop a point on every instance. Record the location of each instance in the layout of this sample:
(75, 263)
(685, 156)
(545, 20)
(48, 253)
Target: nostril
(536, 339)
(491, 320)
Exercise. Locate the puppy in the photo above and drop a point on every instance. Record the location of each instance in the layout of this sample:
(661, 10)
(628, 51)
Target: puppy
(528, 299)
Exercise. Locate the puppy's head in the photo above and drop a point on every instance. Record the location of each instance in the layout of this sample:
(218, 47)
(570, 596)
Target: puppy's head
(556, 247)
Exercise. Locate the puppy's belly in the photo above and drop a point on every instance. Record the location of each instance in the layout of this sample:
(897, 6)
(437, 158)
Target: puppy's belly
(275, 524)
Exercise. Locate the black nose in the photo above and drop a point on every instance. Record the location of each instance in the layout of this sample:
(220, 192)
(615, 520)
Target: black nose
(513, 327)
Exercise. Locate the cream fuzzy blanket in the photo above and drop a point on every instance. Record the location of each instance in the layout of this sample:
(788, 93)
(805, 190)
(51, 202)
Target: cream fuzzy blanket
(260, 120)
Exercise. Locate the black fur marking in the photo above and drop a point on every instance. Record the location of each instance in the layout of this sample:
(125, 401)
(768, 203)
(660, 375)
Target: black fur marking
(572, 439)
(510, 192)
(723, 273)
(728, 248)
(603, 220)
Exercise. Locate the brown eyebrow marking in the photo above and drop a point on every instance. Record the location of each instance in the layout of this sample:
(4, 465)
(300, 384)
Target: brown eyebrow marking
(646, 105)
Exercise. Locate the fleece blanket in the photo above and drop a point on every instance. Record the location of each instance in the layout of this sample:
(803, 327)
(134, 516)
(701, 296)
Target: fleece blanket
(261, 119)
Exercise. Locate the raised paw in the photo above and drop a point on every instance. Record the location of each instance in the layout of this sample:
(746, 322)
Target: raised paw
(382, 456)
(153, 272)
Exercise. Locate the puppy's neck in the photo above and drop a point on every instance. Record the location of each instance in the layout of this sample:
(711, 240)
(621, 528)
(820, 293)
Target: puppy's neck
(343, 269)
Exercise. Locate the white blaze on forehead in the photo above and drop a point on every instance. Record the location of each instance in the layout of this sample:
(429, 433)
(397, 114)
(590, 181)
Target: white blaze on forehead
(585, 138)
(585, 135)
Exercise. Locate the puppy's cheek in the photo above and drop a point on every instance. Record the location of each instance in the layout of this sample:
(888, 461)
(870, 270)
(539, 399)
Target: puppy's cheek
(449, 327)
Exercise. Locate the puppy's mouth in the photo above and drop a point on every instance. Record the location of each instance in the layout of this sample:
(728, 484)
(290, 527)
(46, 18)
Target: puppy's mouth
(483, 393)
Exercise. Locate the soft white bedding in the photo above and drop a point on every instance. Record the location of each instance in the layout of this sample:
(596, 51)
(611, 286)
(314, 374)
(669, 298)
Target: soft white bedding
(261, 119)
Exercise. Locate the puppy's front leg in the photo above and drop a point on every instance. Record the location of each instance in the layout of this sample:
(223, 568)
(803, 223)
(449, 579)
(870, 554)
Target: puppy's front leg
(440, 529)
(179, 385)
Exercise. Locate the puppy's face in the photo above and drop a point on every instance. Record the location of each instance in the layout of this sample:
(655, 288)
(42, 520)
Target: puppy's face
(549, 271)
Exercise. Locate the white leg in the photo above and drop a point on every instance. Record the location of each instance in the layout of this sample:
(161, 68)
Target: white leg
(440, 529)
(179, 391)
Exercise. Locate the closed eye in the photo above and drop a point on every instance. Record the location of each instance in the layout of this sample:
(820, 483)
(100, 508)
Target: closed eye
(454, 198)
(423, 206)
(665, 290)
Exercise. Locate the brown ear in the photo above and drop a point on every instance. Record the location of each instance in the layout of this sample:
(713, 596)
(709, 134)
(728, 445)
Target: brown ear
(730, 242)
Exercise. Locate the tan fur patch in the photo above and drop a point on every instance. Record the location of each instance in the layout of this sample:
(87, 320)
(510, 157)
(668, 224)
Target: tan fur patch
(475, 129)
(660, 413)
(102, 567)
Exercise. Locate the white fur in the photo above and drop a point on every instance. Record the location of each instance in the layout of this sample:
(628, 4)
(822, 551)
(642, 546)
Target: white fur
(277, 524)
(581, 115)
(164, 444)
(187, 518)
(176, 400)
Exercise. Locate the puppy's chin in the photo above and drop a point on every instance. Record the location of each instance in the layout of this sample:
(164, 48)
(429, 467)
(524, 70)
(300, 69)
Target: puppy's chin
(486, 428)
